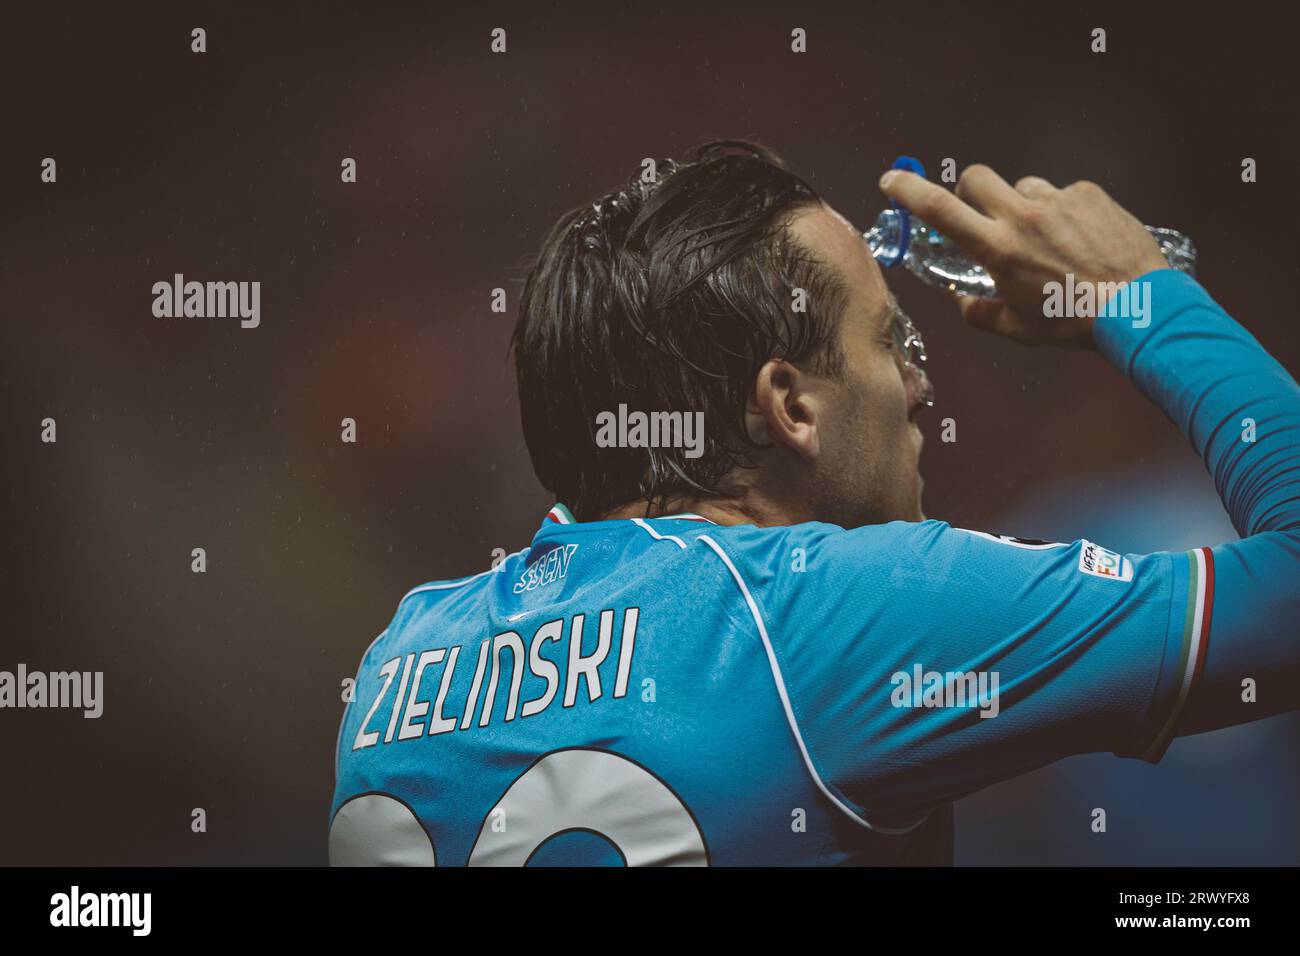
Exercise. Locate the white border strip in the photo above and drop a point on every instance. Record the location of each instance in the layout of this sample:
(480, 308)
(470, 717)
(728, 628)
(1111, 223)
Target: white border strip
(640, 523)
(448, 585)
(689, 516)
(789, 711)
(1193, 655)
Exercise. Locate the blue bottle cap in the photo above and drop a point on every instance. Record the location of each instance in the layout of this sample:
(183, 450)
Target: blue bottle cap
(912, 165)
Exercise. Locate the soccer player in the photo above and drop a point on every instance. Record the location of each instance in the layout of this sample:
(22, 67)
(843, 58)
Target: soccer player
(747, 645)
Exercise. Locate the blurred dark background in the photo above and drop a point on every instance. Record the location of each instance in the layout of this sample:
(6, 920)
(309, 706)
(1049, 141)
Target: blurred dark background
(223, 689)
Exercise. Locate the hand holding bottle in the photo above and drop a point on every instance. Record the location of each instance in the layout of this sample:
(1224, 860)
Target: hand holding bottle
(1027, 237)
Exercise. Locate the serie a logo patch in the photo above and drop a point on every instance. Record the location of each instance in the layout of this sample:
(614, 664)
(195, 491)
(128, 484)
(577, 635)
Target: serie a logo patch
(1094, 559)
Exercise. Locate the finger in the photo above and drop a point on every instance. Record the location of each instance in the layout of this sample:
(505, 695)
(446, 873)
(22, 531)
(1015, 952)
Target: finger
(941, 209)
(1034, 187)
(980, 186)
(991, 315)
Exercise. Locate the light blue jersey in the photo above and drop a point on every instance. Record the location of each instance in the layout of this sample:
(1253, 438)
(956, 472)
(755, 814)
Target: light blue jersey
(673, 691)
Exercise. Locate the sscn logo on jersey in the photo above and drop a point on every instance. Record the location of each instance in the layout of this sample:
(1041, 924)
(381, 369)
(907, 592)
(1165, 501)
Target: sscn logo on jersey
(549, 567)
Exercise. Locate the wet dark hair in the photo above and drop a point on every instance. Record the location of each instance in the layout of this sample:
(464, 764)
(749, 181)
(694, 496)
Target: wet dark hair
(667, 295)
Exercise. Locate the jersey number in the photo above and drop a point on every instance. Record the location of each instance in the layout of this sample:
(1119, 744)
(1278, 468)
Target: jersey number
(594, 791)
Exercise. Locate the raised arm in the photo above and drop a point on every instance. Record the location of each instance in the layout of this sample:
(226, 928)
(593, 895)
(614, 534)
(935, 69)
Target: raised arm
(1082, 649)
(1239, 408)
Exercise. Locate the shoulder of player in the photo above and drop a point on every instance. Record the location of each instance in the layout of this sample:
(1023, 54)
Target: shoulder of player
(434, 591)
(819, 532)
(421, 596)
(818, 545)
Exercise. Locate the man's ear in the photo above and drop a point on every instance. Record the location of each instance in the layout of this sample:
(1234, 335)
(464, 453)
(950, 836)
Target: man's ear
(783, 410)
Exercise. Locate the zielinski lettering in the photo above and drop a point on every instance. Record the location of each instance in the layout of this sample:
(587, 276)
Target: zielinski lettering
(414, 708)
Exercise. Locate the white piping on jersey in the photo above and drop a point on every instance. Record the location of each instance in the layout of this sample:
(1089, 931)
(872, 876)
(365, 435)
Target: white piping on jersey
(640, 523)
(447, 585)
(1015, 544)
(1193, 655)
(789, 710)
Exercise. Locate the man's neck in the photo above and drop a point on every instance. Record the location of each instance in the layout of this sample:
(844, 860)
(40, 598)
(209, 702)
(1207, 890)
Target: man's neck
(751, 509)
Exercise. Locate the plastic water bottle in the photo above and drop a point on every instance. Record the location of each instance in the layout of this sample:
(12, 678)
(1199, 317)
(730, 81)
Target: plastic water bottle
(900, 237)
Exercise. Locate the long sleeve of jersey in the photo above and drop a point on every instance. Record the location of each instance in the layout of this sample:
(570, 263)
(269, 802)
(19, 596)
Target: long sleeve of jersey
(1241, 411)
(921, 662)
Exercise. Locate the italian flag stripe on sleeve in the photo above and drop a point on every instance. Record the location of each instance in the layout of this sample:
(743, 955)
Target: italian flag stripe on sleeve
(1196, 641)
